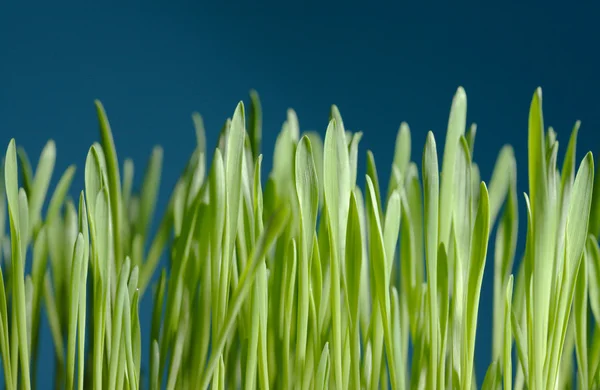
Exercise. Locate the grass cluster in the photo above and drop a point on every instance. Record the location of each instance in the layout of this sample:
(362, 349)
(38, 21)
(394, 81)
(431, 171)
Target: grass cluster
(310, 281)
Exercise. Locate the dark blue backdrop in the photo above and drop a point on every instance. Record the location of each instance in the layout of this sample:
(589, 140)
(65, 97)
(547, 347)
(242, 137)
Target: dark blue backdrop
(153, 66)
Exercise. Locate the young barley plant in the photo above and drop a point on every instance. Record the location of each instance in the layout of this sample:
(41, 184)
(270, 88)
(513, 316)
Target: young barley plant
(318, 281)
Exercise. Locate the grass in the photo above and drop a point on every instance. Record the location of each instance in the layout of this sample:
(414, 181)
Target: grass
(314, 280)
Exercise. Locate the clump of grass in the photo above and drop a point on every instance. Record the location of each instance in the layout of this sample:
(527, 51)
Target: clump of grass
(311, 281)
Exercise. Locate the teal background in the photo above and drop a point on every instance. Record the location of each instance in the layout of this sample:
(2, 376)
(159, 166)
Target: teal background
(152, 65)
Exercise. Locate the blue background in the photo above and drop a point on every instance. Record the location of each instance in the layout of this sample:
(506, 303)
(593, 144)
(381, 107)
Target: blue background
(153, 65)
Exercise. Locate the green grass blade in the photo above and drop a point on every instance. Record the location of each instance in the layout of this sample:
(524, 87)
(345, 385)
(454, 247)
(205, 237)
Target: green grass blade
(318, 149)
(492, 377)
(580, 310)
(505, 248)
(354, 259)
(391, 230)
(378, 259)
(353, 157)
(431, 207)
(54, 322)
(40, 260)
(17, 207)
(456, 128)
(117, 323)
(337, 196)
(127, 186)
(595, 210)
(4, 340)
(508, 340)
(593, 268)
(114, 180)
(41, 181)
(479, 246)
(154, 375)
(77, 264)
(308, 201)
(288, 305)
(255, 123)
(503, 175)
(322, 377)
(470, 136)
(372, 173)
(402, 149)
(541, 246)
(149, 191)
(173, 376)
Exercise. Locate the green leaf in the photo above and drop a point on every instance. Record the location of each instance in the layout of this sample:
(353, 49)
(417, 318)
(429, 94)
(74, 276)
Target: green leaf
(4, 340)
(114, 180)
(255, 123)
(292, 121)
(149, 191)
(54, 321)
(353, 157)
(409, 264)
(317, 148)
(444, 306)
(462, 236)
(129, 321)
(40, 260)
(26, 170)
(117, 322)
(252, 362)
(41, 181)
(593, 268)
(174, 373)
(17, 206)
(128, 173)
(402, 149)
(200, 132)
(541, 248)
(308, 201)
(11, 185)
(372, 173)
(507, 352)
(475, 181)
(58, 196)
(391, 229)
(157, 311)
(379, 266)
(354, 257)
(595, 210)
(77, 264)
(456, 128)
(337, 196)
(354, 260)
(470, 136)
(492, 377)
(505, 248)
(580, 310)
(322, 377)
(504, 174)
(431, 206)
(479, 246)
(288, 305)
(83, 228)
(520, 342)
